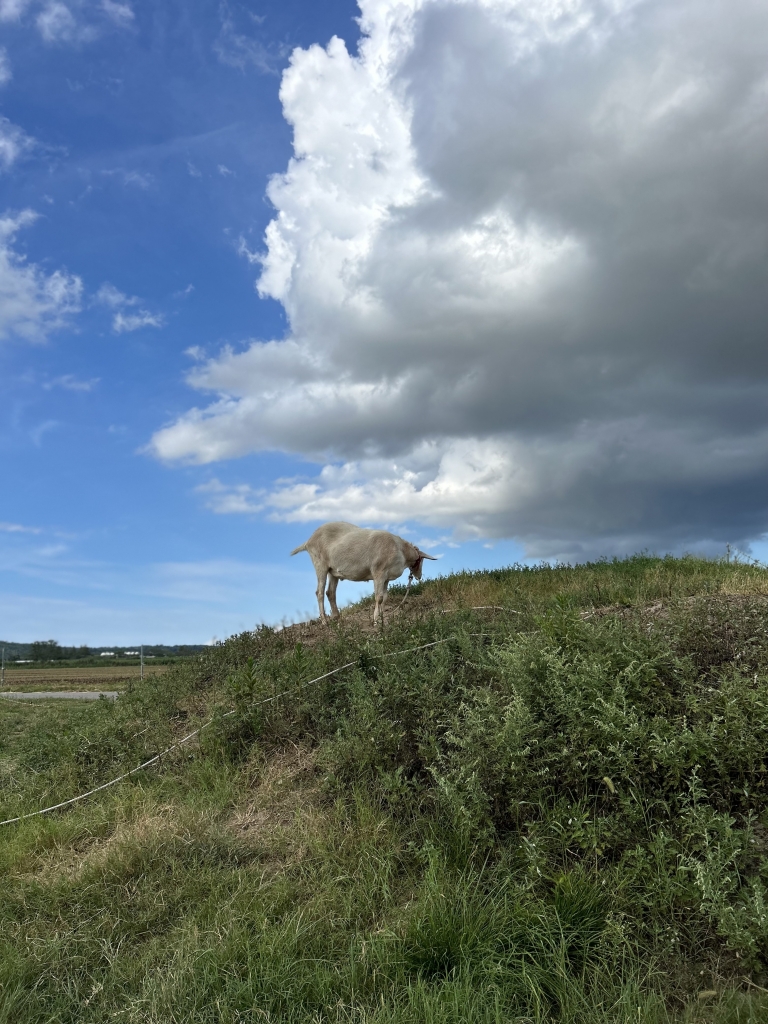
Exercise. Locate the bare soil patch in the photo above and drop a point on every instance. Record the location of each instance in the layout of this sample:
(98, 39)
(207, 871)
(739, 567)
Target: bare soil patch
(358, 620)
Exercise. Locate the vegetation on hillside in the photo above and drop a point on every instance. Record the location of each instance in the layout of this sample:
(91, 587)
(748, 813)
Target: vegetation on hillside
(537, 795)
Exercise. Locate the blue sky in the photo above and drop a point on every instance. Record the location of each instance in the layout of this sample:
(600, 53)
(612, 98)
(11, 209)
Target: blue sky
(509, 301)
(153, 144)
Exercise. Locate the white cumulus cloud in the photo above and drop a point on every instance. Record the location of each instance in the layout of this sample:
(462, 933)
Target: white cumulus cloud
(32, 303)
(521, 246)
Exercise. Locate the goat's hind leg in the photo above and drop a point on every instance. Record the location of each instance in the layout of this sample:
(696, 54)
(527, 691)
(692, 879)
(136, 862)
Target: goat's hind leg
(322, 575)
(333, 582)
(379, 597)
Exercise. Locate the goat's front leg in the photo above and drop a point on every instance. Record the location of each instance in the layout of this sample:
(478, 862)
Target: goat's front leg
(380, 596)
(333, 582)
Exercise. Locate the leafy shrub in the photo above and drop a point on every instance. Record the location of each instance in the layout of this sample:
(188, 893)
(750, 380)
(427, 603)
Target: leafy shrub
(636, 749)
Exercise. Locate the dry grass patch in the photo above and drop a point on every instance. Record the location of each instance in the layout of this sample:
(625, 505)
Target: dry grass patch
(456, 593)
(748, 582)
(138, 826)
(709, 606)
(283, 814)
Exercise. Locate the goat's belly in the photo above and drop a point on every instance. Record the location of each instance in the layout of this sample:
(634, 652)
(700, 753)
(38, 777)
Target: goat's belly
(351, 575)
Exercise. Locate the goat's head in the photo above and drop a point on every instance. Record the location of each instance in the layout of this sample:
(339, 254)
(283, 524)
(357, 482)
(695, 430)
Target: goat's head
(416, 566)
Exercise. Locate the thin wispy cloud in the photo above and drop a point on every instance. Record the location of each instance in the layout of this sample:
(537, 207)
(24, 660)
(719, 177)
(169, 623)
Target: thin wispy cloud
(123, 322)
(216, 579)
(71, 383)
(242, 50)
(12, 10)
(5, 66)
(79, 22)
(108, 295)
(120, 13)
(137, 179)
(18, 528)
(98, 602)
(249, 254)
(56, 23)
(230, 499)
(14, 142)
(38, 433)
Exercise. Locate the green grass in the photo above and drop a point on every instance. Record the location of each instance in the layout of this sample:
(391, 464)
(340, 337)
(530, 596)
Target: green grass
(556, 814)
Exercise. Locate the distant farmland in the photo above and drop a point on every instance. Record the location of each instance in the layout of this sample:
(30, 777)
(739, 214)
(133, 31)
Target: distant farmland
(53, 677)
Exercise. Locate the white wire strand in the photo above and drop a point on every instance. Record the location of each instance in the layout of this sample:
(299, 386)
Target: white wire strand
(180, 743)
(749, 558)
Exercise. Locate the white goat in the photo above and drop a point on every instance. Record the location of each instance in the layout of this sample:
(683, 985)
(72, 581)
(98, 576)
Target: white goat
(342, 551)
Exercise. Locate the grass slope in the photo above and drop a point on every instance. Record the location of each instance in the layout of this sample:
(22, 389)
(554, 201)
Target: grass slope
(557, 812)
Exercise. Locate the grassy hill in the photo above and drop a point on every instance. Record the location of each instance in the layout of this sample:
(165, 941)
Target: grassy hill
(537, 795)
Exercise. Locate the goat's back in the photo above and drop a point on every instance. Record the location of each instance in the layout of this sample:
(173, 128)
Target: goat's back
(366, 554)
(352, 552)
(323, 536)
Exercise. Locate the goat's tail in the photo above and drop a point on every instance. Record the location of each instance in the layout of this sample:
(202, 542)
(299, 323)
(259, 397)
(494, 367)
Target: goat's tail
(301, 547)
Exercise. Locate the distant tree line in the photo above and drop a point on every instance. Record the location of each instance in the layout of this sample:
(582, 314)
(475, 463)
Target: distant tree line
(52, 650)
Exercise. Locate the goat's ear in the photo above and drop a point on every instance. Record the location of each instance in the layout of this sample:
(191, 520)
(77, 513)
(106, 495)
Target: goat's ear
(423, 554)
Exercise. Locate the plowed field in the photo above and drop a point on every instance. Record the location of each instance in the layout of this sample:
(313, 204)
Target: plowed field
(108, 677)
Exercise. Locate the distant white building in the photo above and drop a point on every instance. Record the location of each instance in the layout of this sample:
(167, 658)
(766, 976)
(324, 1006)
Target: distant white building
(127, 654)
(107, 654)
